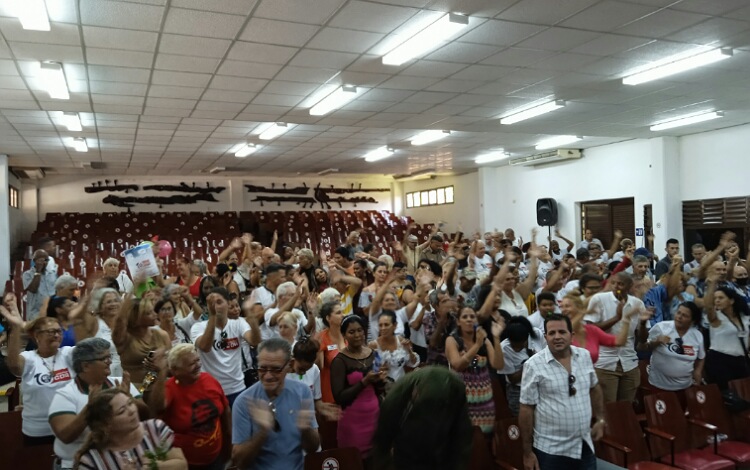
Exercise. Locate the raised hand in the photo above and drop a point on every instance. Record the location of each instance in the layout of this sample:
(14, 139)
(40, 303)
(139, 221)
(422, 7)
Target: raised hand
(305, 415)
(236, 243)
(275, 235)
(618, 234)
(481, 335)
(498, 328)
(329, 411)
(397, 246)
(125, 384)
(13, 317)
(247, 238)
(261, 414)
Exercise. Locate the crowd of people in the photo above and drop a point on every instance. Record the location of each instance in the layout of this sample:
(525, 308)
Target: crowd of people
(275, 353)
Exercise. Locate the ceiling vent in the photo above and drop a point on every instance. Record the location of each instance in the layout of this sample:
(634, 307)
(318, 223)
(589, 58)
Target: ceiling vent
(28, 173)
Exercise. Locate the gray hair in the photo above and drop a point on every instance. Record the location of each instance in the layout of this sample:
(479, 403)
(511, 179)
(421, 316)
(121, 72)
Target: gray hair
(64, 281)
(95, 304)
(273, 345)
(178, 353)
(639, 259)
(201, 266)
(170, 288)
(330, 294)
(285, 288)
(88, 350)
(109, 261)
(388, 260)
(307, 253)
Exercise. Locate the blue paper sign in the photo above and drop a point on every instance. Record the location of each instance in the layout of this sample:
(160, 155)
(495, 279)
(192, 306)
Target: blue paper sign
(639, 232)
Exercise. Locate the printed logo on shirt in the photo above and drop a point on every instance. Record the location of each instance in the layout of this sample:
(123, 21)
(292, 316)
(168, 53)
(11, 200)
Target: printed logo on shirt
(55, 377)
(688, 350)
(227, 344)
(204, 414)
(333, 347)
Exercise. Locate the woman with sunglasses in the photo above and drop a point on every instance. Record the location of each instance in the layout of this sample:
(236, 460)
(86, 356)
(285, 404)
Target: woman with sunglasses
(677, 351)
(90, 360)
(42, 372)
(356, 381)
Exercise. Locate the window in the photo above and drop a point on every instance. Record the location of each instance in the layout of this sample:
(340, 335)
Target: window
(430, 197)
(13, 197)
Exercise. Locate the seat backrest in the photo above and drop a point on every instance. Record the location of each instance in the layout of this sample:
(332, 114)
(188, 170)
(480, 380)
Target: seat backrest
(625, 429)
(502, 410)
(663, 411)
(741, 387)
(481, 458)
(344, 458)
(704, 402)
(507, 442)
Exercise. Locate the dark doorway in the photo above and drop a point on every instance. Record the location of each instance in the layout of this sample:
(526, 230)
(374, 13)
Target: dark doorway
(604, 217)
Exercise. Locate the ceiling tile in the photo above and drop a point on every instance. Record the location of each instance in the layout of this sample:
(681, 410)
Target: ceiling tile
(237, 7)
(164, 91)
(608, 44)
(202, 23)
(301, 12)
(517, 57)
(543, 11)
(228, 96)
(278, 32)
(500, 33)
(711, 31)
(221, 82)
(121, 74)
(307, 74)
(607, 16)
(661, 23)
(117, 88)
(162, 77)
(558, 39)
(111, 38)
(183, 63)
(462, 52)
(265, 53)
(121, 15)
(482, 72)
(247, 69)
(119, 58)
(193, 46)
(59, 33)
(366, 16)
(710, 7)
(30, 51)
(325, 59)
(344, 40)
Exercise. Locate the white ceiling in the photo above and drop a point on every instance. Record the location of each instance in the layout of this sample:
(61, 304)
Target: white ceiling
(170, 86)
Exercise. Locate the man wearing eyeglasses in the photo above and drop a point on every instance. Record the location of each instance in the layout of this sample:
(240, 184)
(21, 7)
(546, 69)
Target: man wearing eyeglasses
(273, 421)
(559, 394)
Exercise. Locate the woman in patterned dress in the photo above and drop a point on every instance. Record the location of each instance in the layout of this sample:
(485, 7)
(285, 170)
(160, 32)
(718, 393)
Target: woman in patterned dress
(469, 351)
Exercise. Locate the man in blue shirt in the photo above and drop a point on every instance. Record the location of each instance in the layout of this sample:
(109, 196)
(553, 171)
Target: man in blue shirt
(273, 421)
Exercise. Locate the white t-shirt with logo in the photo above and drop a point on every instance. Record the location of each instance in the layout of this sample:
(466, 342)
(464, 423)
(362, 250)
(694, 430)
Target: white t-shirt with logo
(38, 386)
(70, 400)
(669, 369)
(224, 360)
(311, 378)
(417, 337)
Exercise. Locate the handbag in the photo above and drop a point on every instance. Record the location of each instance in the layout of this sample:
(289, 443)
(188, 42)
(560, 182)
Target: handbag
(733, 402)
(250, 373)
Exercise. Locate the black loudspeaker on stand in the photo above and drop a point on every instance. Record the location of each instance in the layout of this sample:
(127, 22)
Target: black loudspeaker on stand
(546, 212)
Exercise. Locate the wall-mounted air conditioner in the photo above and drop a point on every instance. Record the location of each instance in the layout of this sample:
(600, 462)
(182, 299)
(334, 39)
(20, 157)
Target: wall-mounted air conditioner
(548, 157)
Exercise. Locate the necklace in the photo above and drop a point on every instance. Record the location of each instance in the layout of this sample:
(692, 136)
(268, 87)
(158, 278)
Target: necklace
(50, 369)
(360, 361)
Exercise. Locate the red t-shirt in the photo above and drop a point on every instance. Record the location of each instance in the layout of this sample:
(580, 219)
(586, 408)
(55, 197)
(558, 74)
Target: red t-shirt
(194, 413)
(595, 337)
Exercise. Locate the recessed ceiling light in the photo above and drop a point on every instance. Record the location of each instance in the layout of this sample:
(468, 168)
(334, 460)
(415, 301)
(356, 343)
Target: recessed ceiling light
(72, 122)
(687, 120)
(246, 150)
(557, 141)
(678, 65)
(32, 14)
(492, 157)
(528, 113)
(379, 154)
(274, 130)
(335, 100)
(79, 144)
(53, 77)
(429, 38)
(429, 136)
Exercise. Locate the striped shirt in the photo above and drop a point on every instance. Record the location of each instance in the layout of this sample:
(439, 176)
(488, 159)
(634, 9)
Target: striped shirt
(156, 435)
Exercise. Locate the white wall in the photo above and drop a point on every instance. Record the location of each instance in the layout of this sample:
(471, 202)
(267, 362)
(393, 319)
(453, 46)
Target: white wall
(715, 164)
(464, 211)
(629, 169)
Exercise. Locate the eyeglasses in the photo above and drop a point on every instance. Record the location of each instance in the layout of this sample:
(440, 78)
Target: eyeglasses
(272, 405)
(272, 370)
(107, 358)
(680, 346)
(52, 332)
(571, 388)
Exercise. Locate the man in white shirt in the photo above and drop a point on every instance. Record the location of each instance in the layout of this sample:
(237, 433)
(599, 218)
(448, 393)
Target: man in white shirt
(481, 260)
(559, 395)
(617, 367)
(555, 251)
(588, 237)
(264, 296)
(38, 283)
(698, 251)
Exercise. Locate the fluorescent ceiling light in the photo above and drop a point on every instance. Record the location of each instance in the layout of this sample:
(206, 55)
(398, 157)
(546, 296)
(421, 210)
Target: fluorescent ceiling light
(687, 120)
(72, 121)
(492, 157)
(53, 77)
(79, 143)
(429, 136)
(379, 154)
(274, 130)
(557, 141)
(429, 38)
(532, 112)
(678, 66)
(32, 14)
(246, 150)
(335, 100)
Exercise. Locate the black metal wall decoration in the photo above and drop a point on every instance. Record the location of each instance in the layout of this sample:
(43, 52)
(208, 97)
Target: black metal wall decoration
(98, 188)
(184, 188)
(320, 195)
(131, 201)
